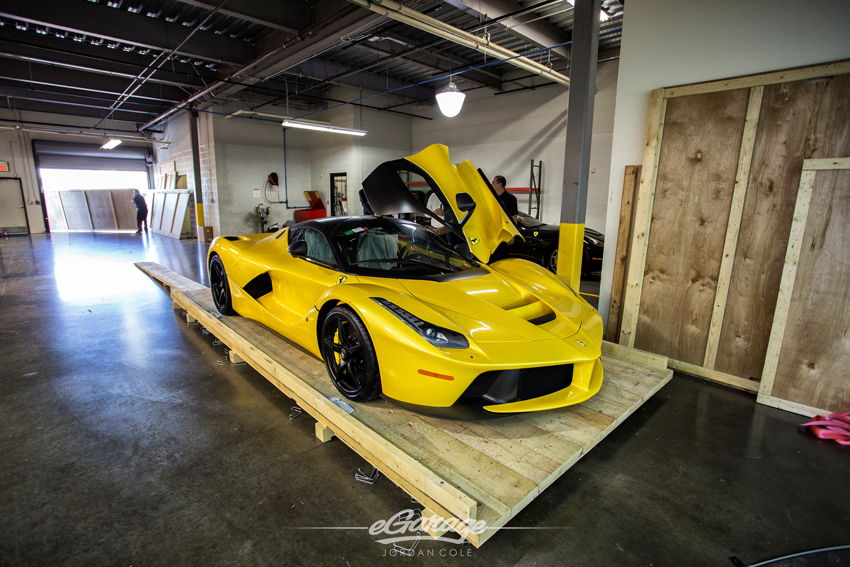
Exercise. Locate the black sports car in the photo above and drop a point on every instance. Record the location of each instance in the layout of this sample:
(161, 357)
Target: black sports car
(541, 245)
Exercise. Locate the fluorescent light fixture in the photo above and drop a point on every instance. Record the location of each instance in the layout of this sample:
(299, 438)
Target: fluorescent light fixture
(450, 100)
(110, 144)
(322, 128)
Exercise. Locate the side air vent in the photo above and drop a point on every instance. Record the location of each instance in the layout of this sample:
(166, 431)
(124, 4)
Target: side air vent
(259, 286)
(231, 238)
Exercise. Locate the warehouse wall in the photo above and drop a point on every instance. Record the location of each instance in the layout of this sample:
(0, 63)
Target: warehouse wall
(389, 138)
(16, 149)
(502, 134)
(668, 43)
(246, 152)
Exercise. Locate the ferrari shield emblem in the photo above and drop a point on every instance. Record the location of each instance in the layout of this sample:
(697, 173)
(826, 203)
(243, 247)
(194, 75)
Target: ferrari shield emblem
(536, 233)
(474, 240)
(341, 279)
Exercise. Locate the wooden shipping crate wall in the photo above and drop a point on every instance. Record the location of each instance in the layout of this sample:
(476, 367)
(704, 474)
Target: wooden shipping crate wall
(714, 210)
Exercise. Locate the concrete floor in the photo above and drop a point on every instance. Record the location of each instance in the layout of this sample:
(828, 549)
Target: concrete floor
(123, 441)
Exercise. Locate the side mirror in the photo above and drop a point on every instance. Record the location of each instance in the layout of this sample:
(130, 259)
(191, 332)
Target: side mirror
(466, 204)
(298, 248)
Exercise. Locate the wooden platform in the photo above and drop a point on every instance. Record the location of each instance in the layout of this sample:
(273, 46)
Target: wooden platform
(485, 471)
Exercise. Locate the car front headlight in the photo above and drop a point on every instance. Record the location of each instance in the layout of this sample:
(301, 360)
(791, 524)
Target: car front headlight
(437, 336)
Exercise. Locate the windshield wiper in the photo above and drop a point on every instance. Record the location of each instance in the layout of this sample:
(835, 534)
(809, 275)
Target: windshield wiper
(443, 269)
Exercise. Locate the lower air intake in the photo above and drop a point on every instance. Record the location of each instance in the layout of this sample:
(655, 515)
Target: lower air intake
(536, 382)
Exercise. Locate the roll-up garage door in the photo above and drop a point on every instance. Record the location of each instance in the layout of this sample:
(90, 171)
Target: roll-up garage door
(68, 155)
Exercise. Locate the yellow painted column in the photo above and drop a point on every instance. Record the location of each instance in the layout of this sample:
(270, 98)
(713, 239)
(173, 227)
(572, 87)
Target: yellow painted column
(199, 214)
(570, 254)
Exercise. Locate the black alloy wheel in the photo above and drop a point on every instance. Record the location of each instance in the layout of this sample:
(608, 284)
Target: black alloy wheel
(219, 287)
(349, 355)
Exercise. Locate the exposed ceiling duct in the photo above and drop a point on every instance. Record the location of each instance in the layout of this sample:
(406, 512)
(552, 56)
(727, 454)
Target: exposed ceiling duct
(396, 11)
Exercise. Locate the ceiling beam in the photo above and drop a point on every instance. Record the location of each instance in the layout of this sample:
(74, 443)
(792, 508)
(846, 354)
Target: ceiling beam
(525, 26)
(259, 15)
(89, 19)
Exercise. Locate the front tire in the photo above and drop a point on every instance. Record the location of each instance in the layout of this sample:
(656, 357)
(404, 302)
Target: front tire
(350, 356)
(220, 288)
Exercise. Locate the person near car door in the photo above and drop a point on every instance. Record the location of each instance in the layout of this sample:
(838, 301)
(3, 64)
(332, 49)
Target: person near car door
(499, 184)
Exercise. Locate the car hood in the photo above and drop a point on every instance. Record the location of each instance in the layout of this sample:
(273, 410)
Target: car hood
(487, 227)
(503, 309)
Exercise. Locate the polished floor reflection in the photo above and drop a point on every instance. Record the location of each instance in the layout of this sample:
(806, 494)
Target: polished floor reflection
(128, 439)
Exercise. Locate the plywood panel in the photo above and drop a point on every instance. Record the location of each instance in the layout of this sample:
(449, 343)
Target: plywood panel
(179, 215)
(798, 120)
(125, 209)
(55, 212)
(815, 353)
(76, 210)
(694, 185)
(168, 209)
(102, 213)
(156, 208)
(624, 235)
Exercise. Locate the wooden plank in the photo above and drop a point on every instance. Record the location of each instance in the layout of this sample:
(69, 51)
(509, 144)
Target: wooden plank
(100, 208)
(825, 164)
(797, 120)
(785, 76)
(624, 236)
(464, 470)
(786, 286)
(793, 407)
(643, 218)
(55, 212)
(168, 167)
(814, 358)
(76, 210)
(168, 278)
(125, 209)
(715, 376)
(693, 195)
(633, 355)
(733, 227)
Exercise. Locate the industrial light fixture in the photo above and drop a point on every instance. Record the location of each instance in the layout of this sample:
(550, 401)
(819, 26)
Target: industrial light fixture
(450, 100)
(322, 128)
(113, 142)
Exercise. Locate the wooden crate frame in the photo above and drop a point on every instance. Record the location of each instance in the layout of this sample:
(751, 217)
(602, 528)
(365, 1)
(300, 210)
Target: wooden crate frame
(786, 287)
(644, 201)
(483, 471)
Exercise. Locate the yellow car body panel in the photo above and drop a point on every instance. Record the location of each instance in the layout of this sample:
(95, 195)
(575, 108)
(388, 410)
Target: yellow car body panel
(489, 225)
(517, 317)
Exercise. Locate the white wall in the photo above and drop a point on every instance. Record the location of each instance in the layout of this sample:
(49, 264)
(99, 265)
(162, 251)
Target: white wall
(673, 42)
(502, 134)
(389, 138)
(246, 152)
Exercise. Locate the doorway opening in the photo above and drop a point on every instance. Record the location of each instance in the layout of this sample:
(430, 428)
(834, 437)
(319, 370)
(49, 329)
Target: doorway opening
(339, 194)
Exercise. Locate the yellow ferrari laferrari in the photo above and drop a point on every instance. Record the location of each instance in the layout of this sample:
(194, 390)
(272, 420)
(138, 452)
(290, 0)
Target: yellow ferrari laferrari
(395, 310)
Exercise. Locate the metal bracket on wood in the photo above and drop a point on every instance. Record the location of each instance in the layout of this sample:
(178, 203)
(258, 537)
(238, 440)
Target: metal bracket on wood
(371, 479)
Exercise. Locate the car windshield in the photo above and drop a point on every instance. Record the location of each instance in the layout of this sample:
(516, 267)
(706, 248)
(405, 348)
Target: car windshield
(386, 248)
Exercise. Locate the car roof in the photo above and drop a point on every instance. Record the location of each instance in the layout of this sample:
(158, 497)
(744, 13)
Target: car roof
(329, 225)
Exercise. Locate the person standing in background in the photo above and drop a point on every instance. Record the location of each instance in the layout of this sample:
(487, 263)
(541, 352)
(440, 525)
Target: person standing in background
(141, 210)
(510, 203)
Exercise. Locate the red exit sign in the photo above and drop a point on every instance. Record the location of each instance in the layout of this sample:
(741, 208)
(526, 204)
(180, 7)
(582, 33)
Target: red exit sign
(4, 166)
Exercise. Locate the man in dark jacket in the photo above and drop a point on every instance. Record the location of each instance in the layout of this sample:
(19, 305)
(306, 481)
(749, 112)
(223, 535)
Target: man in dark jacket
(141, 211)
